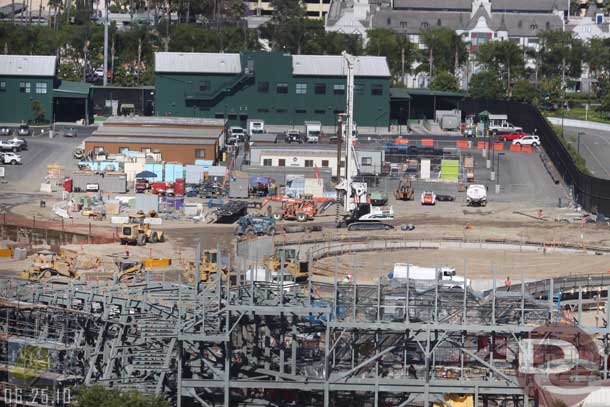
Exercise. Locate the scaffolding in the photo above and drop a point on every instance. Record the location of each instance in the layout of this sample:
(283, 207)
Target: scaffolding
(239, 342)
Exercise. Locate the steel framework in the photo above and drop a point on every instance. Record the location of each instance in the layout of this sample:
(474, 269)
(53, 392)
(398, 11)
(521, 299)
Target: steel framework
(277, 343)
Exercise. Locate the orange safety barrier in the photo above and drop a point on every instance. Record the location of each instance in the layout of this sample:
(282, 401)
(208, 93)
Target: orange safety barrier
(526, 149)
(462, 144)
(516, 148)
(482, 145)
(401, 141)
(498, 146)
(428, 142)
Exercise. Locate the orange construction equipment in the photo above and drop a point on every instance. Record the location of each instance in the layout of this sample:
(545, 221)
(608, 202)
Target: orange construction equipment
(301, 210)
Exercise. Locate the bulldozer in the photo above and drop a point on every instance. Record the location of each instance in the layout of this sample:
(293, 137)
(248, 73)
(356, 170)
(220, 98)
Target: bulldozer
(405, 191)
(208, 268)
(298, 269)
(47, 264)
(139, 233)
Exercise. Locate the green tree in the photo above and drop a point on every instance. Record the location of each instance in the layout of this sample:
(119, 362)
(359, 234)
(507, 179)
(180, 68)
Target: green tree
(287, 10)
(597, 56)
(444, 81)
(38, 111)
(525, 91)
(387, 43)
(485, 85)
(99, 396)
(557, 47)
(504, 57)
(445, 50)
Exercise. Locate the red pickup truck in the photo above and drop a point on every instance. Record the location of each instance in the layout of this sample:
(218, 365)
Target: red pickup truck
(512, 136)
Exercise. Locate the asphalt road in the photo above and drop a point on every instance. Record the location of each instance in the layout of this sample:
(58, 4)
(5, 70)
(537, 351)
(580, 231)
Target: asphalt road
(41, 152)
(594, 148)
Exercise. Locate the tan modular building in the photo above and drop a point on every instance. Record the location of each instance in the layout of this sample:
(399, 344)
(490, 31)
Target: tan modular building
(182, 150)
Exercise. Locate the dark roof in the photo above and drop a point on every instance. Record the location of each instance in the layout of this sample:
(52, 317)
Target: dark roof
(414, 22)
(399, 93)
(72, 89)
(140, 140)
(524, 6)
(424, 92)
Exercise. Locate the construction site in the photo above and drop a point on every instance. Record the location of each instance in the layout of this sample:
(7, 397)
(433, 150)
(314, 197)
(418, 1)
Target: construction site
(366, 271)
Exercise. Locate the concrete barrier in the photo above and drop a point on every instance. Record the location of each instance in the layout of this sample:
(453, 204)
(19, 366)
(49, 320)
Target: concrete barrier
(526, 149)
(515, 148)
(498, 146)
(482, 145)
(580, 124)
(463, 144)
(428, 142)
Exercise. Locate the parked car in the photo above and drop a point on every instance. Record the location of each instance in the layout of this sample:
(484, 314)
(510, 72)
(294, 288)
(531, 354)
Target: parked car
(294, 136)
(9, 146)
(24, 130)
(5, 131)
(512, 136)
(70, 132)
(236, 135)
(10, 158)
(99, 72)
(445, 198)
(428, 198)
(369, 226)
(23, 145)
(533, 141)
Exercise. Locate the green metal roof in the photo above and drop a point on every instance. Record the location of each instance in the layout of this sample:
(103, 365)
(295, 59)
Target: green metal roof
(426, 92)
(399, 93)
(72, 89)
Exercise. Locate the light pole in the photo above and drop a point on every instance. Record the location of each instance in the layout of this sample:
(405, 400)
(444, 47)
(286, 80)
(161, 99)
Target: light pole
(484, 118)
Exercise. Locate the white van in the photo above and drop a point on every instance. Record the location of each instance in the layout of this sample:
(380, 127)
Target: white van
(313, 131)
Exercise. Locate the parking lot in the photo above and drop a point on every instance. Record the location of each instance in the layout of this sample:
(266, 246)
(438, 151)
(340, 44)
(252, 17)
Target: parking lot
(41, 152)
(594, 148)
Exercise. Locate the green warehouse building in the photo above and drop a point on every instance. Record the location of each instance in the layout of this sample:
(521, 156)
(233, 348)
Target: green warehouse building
(26, 79)
(277, 88)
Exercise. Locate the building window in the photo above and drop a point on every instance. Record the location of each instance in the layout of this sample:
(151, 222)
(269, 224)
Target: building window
(424, 25)
(204, 86)
(24, 87)
(320, 89)
(281, 88)
(339, 89)
(533, 27)
(319, 111)
(2, 86)
(301, 89)
(41, 87)
(325, 163)
(262, 110)
(359, 89)
(301, 111)
(219, 115)
(388, 21)
(368, 161)
(199, 153)
(403, 25)
(309, 163)
(376, 90)
(281, 162)
(267, 162)
(263, 87)
(123, 150)
(98, 150)
(438, 22)
(338, 111)
(232, 116)
(282, 111)
(342, 164)
(145, 150)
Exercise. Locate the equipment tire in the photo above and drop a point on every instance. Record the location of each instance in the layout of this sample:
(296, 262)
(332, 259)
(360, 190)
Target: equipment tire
(277, 216)
(301, 217)
(271, 231)
(154, 238)
(141, 240)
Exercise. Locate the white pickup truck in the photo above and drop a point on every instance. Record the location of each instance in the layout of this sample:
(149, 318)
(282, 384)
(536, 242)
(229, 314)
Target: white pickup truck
(10, 158)
(504, 127)
(446, 275)
(10, 145)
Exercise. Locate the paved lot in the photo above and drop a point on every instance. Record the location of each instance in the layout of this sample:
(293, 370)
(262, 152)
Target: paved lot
(41, 152)
(595, 149)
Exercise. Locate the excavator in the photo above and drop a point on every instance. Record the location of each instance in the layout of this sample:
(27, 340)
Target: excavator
(405, 191)
(208, 268)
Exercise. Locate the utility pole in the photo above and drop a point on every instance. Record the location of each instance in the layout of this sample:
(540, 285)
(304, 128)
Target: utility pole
(349, 111)
(402, 57)
(85, 52)
(139, 57)
(112, 61)
(105, 79)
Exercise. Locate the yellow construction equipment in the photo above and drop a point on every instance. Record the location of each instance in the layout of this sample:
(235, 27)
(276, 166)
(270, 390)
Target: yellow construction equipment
(208, 268)
(46, 264)
(298, 269)
(128, 269)
(456, 400)
(139, 233)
